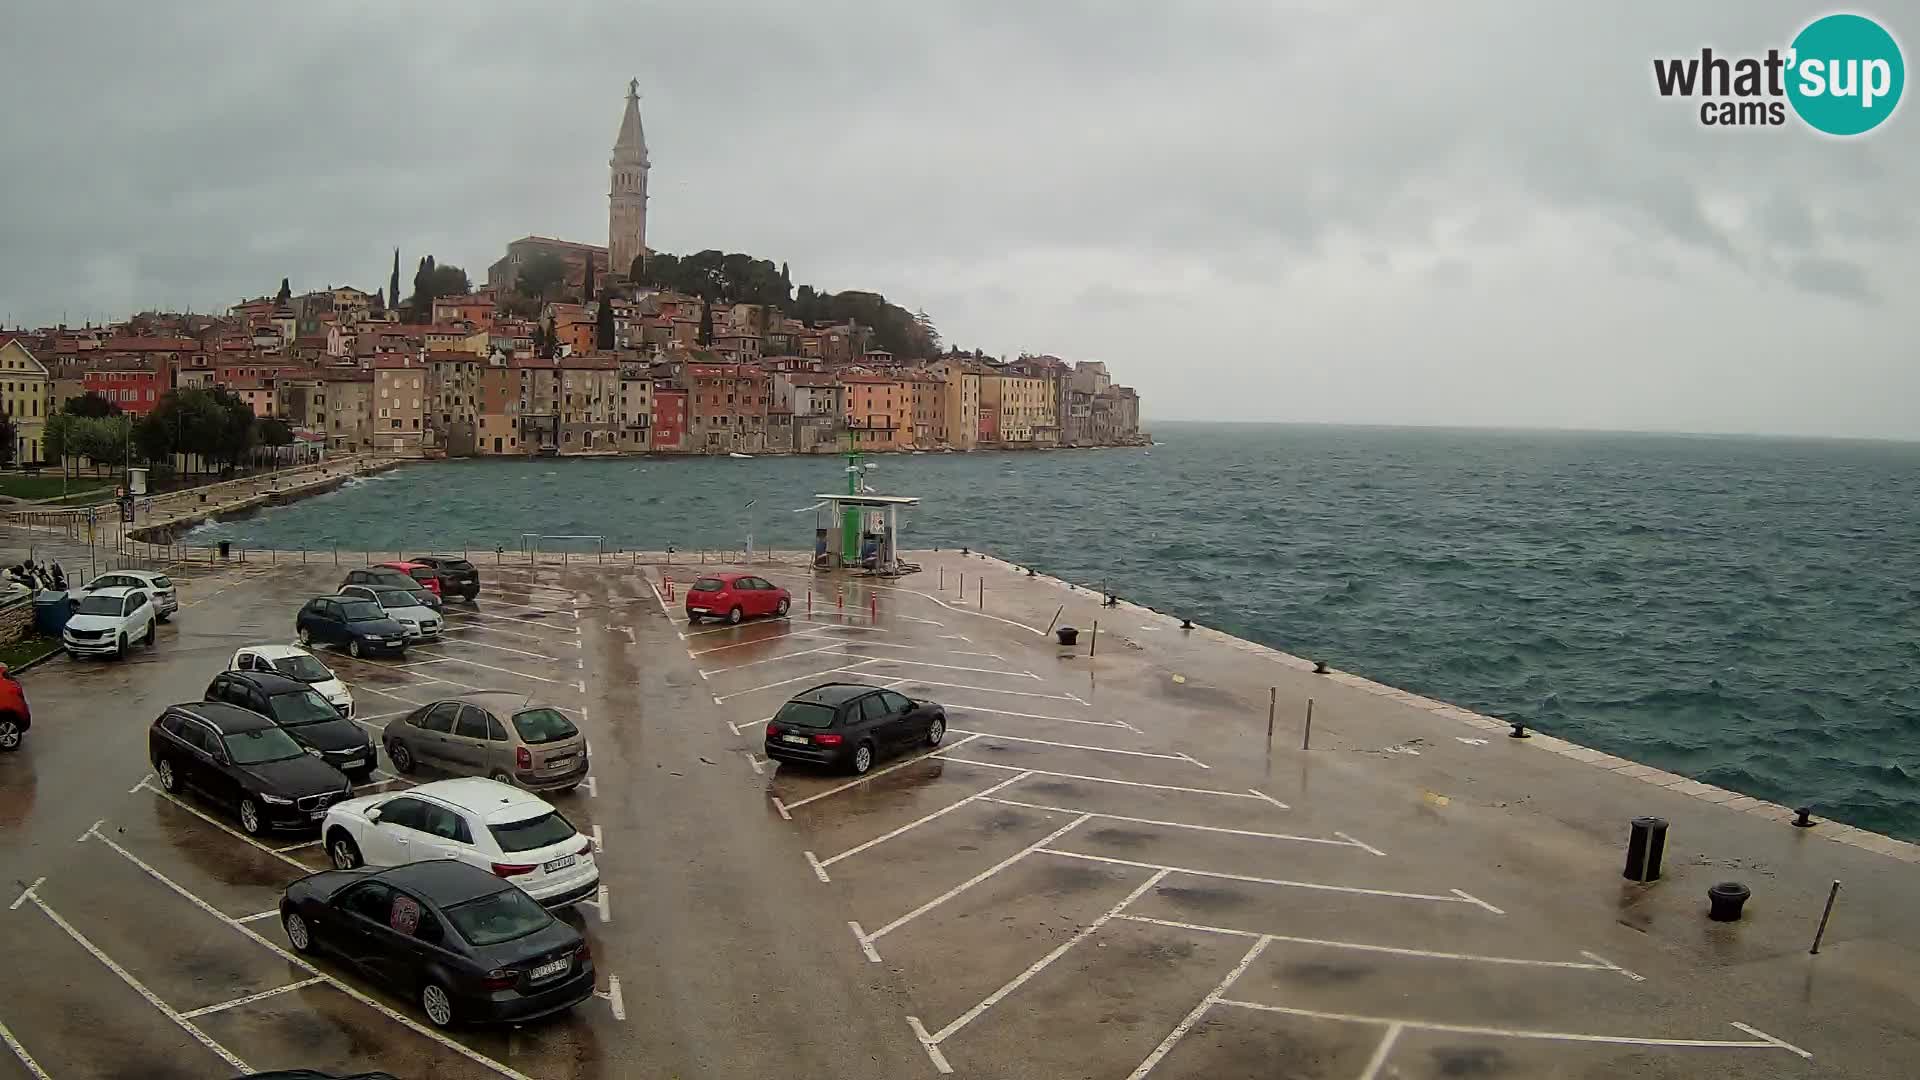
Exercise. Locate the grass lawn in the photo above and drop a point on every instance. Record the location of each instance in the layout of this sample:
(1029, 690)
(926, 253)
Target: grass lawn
(26, 650)
(47, 486)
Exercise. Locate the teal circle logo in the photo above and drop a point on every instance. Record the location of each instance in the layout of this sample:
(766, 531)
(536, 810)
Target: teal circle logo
(1847, 74)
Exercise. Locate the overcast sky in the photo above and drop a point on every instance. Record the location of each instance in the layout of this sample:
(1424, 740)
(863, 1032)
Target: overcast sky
(1460, 213)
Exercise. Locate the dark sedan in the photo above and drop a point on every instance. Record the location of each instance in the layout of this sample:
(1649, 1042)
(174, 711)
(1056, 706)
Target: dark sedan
(361, 625)
(457, 576)
(301, 712)
(849, 725)
(239, 758)
(470, 946)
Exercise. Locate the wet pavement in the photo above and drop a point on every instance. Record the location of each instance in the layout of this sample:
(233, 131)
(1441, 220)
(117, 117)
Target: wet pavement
(1104, 870)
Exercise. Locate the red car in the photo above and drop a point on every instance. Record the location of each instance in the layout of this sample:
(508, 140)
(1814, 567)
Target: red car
(734, 597)
(15, 717)
(427, 576)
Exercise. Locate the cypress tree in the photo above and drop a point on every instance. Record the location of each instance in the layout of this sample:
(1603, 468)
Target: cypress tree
(393, 284)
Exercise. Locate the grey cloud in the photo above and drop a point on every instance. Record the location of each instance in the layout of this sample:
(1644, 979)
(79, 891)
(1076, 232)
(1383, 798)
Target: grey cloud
(1833, 277)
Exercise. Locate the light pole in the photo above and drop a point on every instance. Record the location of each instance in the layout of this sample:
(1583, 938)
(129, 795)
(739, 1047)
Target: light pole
(746, 519)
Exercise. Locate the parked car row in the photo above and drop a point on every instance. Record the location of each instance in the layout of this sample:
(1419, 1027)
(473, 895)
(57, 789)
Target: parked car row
(116, 611)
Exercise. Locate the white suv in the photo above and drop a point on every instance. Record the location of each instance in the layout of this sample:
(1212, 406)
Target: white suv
(107, 621)
(157, 586)
(295, 663)
(497, 827)
(421, 623)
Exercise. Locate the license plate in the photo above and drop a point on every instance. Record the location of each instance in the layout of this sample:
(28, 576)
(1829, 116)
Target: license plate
(559, 762)
(561, 863)
(395, 641)
(698, 610)
(317, 815)
(801, 739)
(555, 967)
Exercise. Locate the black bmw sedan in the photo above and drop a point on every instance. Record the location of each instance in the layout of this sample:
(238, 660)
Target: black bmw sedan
(471, 946)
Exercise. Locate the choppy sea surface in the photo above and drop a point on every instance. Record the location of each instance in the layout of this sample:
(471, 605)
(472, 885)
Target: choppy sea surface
(1745, 611)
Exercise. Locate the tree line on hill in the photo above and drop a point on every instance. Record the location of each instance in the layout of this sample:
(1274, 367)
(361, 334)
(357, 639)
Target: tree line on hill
(212, 427)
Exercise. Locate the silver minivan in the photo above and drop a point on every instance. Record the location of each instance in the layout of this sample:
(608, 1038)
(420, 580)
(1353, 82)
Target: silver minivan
(493, 733)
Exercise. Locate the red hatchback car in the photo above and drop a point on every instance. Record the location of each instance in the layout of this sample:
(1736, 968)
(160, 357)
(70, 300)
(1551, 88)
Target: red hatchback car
(428, 578)
(734, 597)
(15, 716)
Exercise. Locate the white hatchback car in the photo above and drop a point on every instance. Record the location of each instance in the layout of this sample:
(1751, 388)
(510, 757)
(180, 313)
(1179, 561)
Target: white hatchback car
(497, 827)
(157, 586)
(295, 663)
(422, 623)
(108, 621)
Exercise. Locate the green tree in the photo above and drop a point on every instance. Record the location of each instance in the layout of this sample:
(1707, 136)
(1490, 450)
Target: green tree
(706, 321)
(285, 293)
(393, 283)
(91, 403)
(586, 285)
(56, 436)
(156, 434)
(8, 433)
(603, 325)
(541, 275)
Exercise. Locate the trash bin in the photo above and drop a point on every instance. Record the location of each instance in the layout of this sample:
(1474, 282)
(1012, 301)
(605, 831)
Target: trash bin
(1646, 844)
(226, 547)
(1068, 635)
(51, 609)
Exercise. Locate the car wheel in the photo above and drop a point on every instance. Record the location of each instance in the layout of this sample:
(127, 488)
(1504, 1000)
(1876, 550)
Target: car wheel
(782, 606)
(250, 822)
(169, 780)
(734, 616)
(120, 646)
(862, 758)
(353, 648)
(438, 1005)
(148, 640)
(166, 617)
(402, 757)
(298, 932)
(306, 637)
(343, 852)
(500, 776)
(936, 731)
(9, 733)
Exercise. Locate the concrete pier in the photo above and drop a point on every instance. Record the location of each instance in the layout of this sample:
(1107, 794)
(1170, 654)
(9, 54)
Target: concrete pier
(1104, 867)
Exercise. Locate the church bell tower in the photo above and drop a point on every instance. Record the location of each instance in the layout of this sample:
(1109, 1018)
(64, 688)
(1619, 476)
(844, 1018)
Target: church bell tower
(627, 195)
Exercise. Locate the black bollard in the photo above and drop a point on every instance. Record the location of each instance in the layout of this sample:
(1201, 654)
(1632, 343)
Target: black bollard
(1519, 730)
(1319, 667)
(1725, 900)
(1186, 624)
(1803, 818)
(1646, 844)
(1067, 635)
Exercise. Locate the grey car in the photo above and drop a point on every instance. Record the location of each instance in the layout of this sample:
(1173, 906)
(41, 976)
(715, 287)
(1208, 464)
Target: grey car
(493, 733)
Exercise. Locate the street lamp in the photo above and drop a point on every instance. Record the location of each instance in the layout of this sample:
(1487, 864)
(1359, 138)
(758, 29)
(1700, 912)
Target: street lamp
(746, 520)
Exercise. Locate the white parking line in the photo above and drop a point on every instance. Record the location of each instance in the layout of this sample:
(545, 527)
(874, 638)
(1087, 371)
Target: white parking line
(1360, 946)
(867, 940)
(489, 645)
(19, 1051)
(570, 629)
(251, 998)
(1762, 1040)
(485, 628)
(26, 894)
(990, 690)
(487, 667)
(1282, 882)
(1037, 716)
(1343, 842)
(755, 763)
(615, 1000)
(848, 669)
(598, 842)
(1186, 1023)
(1380, 1052)
(222, 826)
(1041, 964)
(876, 774)
(768, 660)
(1247, 794)
(954, 667)
(270, 913)
(819, 866)
(401, 1018)
(990, 736)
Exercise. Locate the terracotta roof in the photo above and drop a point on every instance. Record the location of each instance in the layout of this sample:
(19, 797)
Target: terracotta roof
(443, 356)
(549, 241)
(392, 361)
(145, 344)
(589, 362)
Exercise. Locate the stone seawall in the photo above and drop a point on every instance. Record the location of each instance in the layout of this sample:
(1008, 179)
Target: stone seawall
(170, 527)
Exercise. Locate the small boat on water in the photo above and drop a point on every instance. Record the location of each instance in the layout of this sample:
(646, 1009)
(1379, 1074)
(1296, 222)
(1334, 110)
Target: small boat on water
(744, 457)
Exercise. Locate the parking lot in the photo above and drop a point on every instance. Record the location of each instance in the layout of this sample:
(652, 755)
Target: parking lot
(152, 931)
(1070, 887)
(1083, 879)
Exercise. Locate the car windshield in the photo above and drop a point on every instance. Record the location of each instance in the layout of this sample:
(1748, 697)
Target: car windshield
(99, 605)
(266, 744)
(804, 714)
(361, 611)
(302, 707)
(708, 584)
(543, 725)
(503, 916)
(302, 667)
(163, 582)
(458, 566)
(397, 598)
(534, 832)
